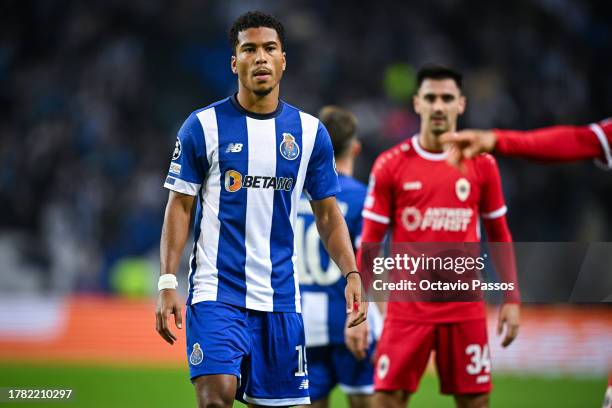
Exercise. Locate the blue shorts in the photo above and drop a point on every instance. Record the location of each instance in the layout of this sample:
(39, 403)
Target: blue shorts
(335, 364)
(265, 350)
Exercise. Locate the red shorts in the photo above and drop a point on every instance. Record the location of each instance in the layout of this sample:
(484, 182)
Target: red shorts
(462, 356)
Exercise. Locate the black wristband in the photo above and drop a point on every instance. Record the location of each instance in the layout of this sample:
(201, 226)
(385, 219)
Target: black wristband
(347, 275)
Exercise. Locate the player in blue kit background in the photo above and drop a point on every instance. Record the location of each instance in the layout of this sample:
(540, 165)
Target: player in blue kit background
(331, 362)
(244, 162)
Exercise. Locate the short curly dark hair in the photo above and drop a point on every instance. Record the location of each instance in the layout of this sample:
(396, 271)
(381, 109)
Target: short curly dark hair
(254, 19)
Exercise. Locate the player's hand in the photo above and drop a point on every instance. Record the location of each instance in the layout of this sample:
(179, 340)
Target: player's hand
(168, 304)
(509, 316)
(356, 339)
(355, 307)
(467, 144)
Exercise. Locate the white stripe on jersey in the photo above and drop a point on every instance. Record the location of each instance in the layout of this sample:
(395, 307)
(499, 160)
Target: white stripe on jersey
(206, 278)
(495, 214)
(182, 186)
(260, 201)
(604, 144)
(375, 217)
(310, 125)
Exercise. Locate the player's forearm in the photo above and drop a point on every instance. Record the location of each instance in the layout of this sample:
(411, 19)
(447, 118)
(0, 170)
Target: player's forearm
(502, 254)
(175, 232)
(556, 143)
(336, 239)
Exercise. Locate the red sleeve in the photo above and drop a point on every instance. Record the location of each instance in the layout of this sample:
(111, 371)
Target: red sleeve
(559, 143)
(492, 204)
(501, 250)
(493, 212)
(372, 232)
(378, 205)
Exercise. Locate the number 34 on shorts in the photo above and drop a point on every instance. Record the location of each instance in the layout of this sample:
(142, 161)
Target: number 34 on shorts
(462, 356)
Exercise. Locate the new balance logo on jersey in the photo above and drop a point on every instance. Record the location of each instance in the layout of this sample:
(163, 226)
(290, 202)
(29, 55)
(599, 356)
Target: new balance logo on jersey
(234, 148)
(303, 385)
(234, 181)
(437, 219)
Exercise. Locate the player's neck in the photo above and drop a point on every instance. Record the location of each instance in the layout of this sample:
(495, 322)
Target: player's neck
(258, 103)
(429, 141)
(345, 166)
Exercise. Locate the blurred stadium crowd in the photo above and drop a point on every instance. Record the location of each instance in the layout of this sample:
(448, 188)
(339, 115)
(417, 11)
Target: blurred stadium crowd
(92, 94)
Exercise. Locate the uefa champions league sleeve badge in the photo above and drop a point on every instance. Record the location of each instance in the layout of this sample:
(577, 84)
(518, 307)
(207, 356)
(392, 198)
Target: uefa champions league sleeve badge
(177, 149)
(196, 355)
(289, 149)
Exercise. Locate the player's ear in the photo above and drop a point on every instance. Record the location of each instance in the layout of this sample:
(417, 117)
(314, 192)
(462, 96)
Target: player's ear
(356, 147)
(416, 104)
(233, 65)
(284, 60)
(462, 104)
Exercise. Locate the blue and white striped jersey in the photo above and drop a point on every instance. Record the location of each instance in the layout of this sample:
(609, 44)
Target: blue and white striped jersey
(248, 171)
(321, 281)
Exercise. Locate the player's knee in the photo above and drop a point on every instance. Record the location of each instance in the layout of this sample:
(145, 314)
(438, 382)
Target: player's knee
(390, 399)
(214, 394)
(360, 401)
(215, 401)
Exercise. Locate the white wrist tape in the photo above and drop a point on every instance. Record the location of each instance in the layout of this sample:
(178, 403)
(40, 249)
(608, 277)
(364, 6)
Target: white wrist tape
(167, 281)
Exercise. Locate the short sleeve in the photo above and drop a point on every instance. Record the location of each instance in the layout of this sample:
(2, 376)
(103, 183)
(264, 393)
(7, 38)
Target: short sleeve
(189, 164)
(492, 203)
(378, 205)
(321, 177)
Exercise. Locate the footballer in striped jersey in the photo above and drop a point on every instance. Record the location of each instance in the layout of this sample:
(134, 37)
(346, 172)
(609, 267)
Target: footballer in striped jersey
(243, 162)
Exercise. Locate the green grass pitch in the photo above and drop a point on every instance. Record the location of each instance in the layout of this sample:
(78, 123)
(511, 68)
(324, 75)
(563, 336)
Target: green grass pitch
(128, 386)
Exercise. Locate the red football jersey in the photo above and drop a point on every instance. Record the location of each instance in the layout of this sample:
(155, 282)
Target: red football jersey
(423, 199)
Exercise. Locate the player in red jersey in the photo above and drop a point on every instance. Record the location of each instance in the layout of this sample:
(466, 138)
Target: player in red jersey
(420, 198)
(555, 143)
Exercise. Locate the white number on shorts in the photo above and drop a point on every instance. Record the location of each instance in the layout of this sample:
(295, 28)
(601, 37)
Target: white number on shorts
(302, 364)
(481, 359)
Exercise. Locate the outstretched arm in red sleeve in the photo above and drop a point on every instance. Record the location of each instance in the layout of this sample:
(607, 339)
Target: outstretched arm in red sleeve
(553, 144)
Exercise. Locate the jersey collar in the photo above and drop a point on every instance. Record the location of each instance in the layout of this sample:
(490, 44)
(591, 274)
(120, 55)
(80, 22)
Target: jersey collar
(424, 153)
(254, 115)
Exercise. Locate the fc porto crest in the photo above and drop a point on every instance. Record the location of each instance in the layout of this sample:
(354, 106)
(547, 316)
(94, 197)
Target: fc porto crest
(196, 355)
(462, 189)
(289, 148)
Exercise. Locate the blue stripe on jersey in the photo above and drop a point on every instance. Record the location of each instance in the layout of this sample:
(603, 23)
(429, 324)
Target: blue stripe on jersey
(281, 252)
(232, 207)
(191, 151)
(321, 178)
(193, 266)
